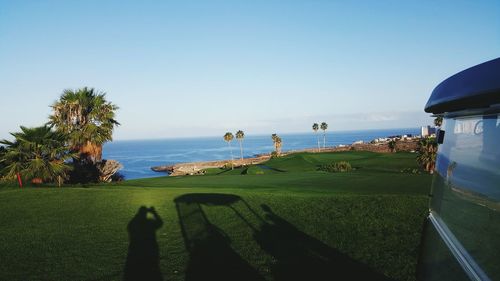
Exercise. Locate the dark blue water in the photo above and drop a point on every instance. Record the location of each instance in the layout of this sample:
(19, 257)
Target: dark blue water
(138, 156)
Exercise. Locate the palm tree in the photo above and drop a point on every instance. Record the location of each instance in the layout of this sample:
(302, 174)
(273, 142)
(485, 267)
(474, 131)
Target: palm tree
(315, 128)
(392, 145)
(239, 136)
(228, 137)
(427, 154)
(438, 121)
(38, 154)
(323, 127)
(88, 120)
(277, 144)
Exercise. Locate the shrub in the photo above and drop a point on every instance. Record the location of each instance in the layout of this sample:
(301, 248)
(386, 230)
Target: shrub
(274, 154)
(336, 167)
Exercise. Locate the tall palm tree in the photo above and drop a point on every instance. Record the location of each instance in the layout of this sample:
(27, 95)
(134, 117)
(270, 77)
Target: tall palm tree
(240, 135)
(37, 154)
(228, 137)
(88, 120)
(315, 128)
(323, 127)
(277, 143)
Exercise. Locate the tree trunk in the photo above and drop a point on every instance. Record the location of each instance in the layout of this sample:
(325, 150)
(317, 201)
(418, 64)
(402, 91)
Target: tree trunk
(231, 150)
(90, 153)
(19, 180)
(324, 140)
(241, 149)
(319, 147)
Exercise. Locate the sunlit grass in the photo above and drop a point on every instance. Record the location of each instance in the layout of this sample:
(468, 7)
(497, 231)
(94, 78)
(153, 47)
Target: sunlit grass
(367, 221)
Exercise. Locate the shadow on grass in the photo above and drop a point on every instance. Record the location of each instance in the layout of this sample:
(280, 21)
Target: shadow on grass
(143, 258)
(211, 256)
(302, 257)
(265, 167)
(228, 170)
(296, 255)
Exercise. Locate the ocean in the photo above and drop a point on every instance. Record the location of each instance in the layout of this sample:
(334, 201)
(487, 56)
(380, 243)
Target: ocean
(138, 156)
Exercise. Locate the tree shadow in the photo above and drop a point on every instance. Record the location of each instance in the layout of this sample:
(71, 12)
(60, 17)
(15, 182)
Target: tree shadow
(296, 255)
(143, 259)
(223, 171)
(210, 253)
(265, 167)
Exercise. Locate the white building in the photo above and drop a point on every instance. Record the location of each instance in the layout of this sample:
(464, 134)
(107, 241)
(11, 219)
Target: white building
(427, 131)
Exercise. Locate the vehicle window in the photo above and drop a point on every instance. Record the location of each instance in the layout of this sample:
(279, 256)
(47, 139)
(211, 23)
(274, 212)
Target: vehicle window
(466, 188)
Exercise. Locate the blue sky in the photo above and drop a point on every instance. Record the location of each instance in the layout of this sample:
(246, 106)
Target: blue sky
(199, 68)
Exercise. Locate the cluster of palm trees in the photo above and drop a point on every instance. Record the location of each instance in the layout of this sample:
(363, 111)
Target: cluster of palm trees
(68, 145)
(277, 141)
(324, 127)
(240, 135)
(228, 137)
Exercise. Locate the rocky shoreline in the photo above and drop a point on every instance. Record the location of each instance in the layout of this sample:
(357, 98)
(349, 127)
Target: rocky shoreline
(193, 168)
(196, 168)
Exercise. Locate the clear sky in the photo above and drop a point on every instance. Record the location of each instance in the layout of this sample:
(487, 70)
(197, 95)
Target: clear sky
(197, 68)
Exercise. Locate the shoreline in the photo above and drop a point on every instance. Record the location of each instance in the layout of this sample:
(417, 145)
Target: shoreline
(196, 168)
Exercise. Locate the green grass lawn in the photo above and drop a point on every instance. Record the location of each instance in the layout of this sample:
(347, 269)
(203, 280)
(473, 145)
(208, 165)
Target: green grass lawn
(282, 220)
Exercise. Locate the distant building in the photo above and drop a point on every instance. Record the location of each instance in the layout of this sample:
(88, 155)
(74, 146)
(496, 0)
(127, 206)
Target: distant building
(426, 131)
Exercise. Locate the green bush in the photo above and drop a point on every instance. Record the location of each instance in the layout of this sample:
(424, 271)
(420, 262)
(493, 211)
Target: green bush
(274, 154)
(336, 167)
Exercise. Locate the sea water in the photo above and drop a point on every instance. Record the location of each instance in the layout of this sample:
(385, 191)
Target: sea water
(138, 156)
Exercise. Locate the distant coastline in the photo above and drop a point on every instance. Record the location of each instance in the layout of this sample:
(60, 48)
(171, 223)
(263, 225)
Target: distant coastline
(196, 168)
(138, 156)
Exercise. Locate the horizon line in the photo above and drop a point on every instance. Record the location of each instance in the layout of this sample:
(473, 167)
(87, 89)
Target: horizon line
(259, 134)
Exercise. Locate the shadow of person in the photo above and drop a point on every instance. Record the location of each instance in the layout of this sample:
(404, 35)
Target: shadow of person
(143, 259)
(302, 257)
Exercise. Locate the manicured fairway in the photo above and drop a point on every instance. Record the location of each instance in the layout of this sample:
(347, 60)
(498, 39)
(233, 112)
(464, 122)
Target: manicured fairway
(286, 222)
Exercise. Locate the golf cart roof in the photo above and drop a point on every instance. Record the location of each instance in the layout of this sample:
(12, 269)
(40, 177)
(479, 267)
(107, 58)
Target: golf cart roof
(473, 88)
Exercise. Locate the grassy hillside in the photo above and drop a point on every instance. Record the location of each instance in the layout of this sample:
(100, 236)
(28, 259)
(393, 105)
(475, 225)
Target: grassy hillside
(283, 220)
